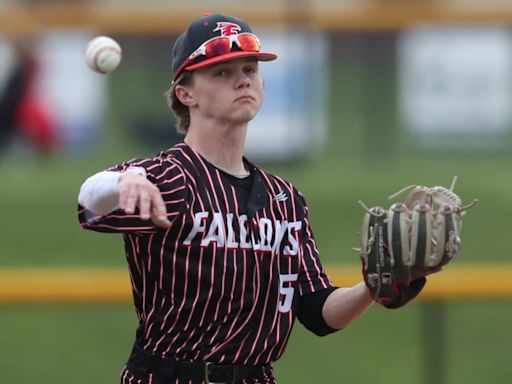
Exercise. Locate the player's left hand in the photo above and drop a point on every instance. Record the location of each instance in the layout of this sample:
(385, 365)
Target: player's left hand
(137, 191)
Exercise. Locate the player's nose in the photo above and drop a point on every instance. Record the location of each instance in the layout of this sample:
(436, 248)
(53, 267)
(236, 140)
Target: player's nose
(243, 80)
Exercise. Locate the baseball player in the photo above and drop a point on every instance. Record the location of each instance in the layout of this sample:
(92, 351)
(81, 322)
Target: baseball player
(221, 254)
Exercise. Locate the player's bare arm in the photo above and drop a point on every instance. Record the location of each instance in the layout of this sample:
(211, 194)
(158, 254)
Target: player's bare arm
(345, 305)
(137, 191)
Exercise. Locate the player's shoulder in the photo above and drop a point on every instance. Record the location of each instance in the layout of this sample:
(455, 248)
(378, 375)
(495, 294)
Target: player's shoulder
(174, 153)
(164, 164)
(181, 155)
(170, 162)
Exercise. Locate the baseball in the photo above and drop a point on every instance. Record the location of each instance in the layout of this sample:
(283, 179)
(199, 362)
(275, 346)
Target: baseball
(103, 54)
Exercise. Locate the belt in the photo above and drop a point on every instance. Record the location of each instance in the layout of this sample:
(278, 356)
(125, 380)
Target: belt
(165, 369)
(217, 373)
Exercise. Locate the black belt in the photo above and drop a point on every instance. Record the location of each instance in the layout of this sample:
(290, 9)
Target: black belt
(165, 369)
(217, 373)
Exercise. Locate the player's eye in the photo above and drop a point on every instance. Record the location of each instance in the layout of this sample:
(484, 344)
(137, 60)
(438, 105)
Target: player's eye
(220, 73)
(251, 69)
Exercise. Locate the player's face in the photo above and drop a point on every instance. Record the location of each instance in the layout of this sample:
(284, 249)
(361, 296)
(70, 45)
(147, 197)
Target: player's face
(231, 91)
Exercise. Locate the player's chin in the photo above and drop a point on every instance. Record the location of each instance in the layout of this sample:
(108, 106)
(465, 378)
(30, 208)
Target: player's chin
(245, 115)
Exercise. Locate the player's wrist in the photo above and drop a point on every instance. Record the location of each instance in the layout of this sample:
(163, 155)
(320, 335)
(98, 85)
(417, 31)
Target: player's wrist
(132, 171)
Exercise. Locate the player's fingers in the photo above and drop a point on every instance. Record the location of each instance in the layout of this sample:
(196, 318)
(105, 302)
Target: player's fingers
(159, 219)
(128, 199)
(129, 187)
(159, 211)
(144, 205)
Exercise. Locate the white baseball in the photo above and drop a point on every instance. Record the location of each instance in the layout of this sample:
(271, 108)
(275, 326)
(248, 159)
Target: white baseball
(103, 54)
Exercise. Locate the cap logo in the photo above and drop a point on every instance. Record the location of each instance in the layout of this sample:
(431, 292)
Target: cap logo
(227, 28)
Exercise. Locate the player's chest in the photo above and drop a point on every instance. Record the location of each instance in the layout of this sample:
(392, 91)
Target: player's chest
(274, 234)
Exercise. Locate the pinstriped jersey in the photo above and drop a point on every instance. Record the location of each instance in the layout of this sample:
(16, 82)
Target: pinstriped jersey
(222, 284)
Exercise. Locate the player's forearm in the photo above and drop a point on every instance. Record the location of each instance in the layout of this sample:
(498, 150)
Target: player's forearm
(345, 305)
(99, 193)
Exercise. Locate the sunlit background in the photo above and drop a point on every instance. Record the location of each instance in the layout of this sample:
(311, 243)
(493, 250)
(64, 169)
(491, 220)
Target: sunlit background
(367, 96)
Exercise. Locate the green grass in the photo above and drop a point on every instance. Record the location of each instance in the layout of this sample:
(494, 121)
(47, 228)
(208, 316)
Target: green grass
(89, 343)
(84, 344)
(65, 344)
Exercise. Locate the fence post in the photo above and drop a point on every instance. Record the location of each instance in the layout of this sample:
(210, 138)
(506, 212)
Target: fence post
(433, 353)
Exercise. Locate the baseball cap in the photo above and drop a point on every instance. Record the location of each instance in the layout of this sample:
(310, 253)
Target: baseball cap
(212, 39)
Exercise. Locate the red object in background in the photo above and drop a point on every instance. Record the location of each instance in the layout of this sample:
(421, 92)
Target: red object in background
(35, 123)
(32, 118)
(23, 110)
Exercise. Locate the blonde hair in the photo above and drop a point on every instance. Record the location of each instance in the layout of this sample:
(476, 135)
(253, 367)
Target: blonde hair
(180, 110)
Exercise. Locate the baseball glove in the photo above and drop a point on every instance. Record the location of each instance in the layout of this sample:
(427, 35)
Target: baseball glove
(411, 239)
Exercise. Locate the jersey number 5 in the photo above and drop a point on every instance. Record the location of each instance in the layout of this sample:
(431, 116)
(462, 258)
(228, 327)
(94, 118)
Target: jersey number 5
(286, 301)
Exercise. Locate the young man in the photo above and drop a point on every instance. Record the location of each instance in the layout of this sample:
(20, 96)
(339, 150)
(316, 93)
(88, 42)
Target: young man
(221, 254)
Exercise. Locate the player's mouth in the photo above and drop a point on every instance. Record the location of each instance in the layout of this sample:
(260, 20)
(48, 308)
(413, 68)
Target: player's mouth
(244, 98)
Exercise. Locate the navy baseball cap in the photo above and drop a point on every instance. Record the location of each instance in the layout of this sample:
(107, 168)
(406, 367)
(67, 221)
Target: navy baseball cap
(212, 39)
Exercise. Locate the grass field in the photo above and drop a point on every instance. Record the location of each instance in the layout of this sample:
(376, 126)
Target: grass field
(89, 343)
(84, 344)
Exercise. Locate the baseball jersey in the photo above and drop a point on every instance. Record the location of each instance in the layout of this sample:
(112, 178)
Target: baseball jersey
(222, 284)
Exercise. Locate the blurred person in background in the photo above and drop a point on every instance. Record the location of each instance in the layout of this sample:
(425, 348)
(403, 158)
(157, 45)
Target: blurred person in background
(22, 110)
(221, 254)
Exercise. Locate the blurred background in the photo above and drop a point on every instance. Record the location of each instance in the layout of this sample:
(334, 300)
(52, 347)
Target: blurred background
(367, 96)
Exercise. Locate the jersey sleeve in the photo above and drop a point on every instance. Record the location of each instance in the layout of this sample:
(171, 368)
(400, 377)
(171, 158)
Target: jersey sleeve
(312, 276)
(165, 174)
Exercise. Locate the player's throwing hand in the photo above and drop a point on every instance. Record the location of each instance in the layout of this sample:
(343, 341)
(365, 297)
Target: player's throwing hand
(137, 191)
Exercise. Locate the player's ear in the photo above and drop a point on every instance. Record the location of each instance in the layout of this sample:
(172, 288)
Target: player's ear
(185, 96)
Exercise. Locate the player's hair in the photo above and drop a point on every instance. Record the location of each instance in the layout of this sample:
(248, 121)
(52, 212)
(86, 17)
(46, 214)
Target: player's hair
(180, 110)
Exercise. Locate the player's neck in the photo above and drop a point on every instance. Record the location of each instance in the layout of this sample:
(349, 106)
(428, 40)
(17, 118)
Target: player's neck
(222, 146)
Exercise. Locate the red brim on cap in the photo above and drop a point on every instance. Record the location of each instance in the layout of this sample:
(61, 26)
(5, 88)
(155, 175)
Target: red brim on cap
(261, 56)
